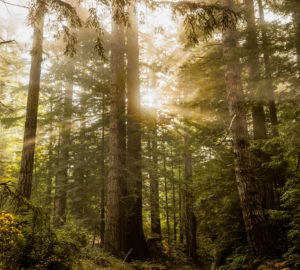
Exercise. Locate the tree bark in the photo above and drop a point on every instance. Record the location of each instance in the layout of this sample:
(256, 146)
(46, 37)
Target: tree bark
(135, 239)
(60, 199)
(115, 179)
(249, 195)
(258, 114)
(26, 171)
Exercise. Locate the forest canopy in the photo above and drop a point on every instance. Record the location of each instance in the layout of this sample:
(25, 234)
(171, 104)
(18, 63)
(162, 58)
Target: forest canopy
(149, 134)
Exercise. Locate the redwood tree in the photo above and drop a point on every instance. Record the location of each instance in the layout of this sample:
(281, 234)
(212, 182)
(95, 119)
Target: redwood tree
(26, 171)
(134, 236)
(115, 179)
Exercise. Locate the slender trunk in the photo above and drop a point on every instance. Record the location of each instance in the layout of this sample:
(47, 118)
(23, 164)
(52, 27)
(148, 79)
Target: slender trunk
(57, 175)
(174, 202)
(60, 201)
(269, 188)
(115, 184)
(249, 195)
(258, 114)
(26, 171)
(134, 239)
(268, 77)
(296, 20)
(191, 223)
(166, 198)
(180, 204)
(50, 164)
(80, 174)
(102, 201)
(154, 187)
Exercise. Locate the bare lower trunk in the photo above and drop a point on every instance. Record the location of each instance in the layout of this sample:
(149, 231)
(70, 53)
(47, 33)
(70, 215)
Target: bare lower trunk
(113, 231)
(134, 237)
(26, 171)
(249, 195)
(60, 199)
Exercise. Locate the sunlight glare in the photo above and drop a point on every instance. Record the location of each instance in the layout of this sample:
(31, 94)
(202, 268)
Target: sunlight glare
(149, 99)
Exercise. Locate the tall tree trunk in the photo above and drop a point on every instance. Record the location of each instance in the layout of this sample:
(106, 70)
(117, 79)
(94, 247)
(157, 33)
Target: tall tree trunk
(154, 187)
(51, 160)
(174, 201)
(102, 201)
(135, 239)
(190, 219)
(180, 204)
(258, 114)
(80, 173)
(26, 171)
(115, 186)
(250, 200)
(296, 20)
(268, 76)
(270, 182)
(166, 197)
(60, 199)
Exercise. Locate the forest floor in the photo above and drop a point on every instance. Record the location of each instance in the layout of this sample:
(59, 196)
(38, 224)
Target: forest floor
(102, 260)
(115, 264)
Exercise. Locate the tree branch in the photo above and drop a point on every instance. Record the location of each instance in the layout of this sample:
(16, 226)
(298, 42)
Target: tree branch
(6, 41)
(12, 4)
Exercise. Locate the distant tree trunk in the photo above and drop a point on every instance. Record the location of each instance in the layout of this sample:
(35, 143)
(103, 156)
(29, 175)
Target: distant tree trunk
(102, 201)
(135, 239)
(190, 219)
(249, 195)
(166, 198)
(174, 202)
(272, 197)
(154, 187)
(51, 160)
(26, 171)
(258, 114)
(180, 204)
(60, 199)
(115, 180)
(268, 76)
(296, 21)
(80, 173)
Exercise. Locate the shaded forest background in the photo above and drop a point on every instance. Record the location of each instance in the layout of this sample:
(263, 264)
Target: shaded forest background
(158, 135)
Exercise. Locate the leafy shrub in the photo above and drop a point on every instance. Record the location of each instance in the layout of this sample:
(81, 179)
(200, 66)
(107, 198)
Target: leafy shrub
(27, 240)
